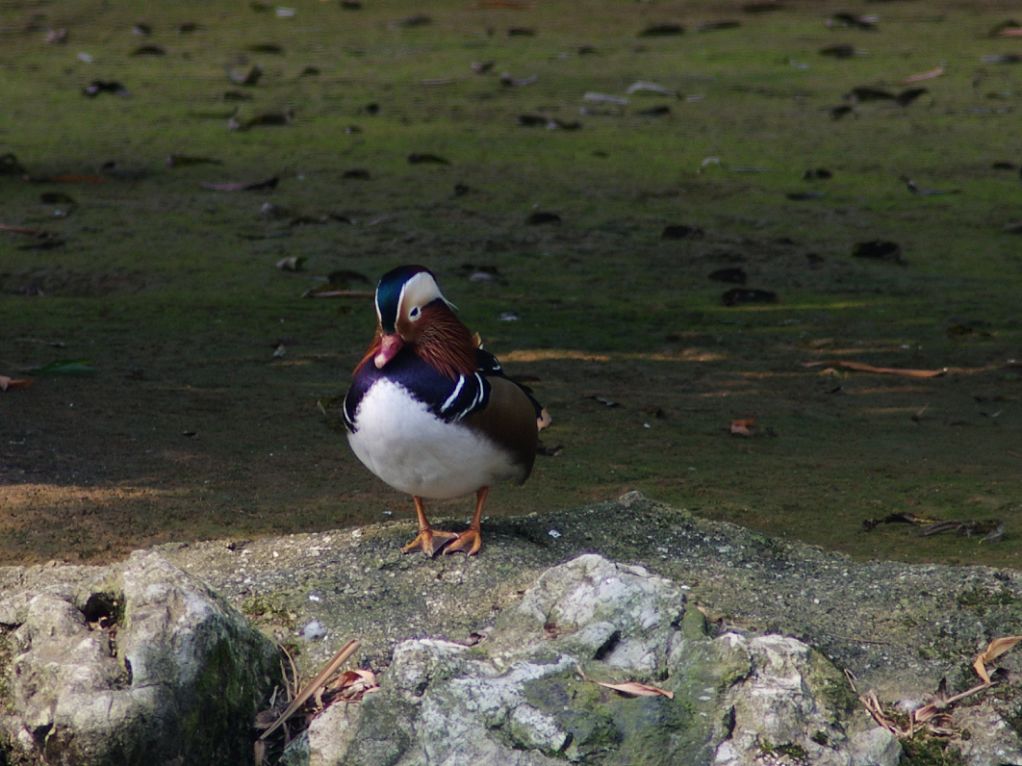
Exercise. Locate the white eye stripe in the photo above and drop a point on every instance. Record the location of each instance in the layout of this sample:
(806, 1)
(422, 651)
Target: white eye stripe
(419, 291)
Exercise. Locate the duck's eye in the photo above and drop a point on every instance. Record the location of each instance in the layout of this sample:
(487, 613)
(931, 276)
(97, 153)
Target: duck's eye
(414, 313)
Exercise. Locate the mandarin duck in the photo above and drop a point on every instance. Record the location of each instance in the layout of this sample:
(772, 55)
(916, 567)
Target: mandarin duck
(431, 413)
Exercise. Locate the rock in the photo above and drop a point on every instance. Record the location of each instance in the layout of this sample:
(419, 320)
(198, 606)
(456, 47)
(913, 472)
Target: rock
(138, 663)
(990, 739)
(527, 695)
(326, 740)
(621, 615)
(899, 628)
(796, 706)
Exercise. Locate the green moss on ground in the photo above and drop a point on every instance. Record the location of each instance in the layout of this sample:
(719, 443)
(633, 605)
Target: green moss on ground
(270, 611)
(926, 750)
(785, 752)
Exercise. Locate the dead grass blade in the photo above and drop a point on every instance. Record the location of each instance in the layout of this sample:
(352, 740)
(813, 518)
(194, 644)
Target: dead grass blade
(848, 364)
(994, 649)
(929, 74)
(313, 686)
(290, 678)
(876, 710)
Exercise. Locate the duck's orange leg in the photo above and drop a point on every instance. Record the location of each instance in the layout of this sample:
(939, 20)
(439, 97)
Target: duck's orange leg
(424, 540)
(473, 535)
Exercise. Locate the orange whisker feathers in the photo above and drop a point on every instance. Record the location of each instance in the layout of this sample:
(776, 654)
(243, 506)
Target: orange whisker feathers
(445, 343)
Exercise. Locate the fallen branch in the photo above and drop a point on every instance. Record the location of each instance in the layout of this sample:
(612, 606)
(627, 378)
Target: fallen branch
(964, 528)
(992, 528)
(905, 517)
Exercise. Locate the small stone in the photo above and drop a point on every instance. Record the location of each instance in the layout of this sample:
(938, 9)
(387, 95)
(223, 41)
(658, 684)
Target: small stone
(314, 631)
(630, 498)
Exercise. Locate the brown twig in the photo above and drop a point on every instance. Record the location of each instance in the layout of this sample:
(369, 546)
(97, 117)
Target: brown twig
(875, 709)
(310, 688)
(290, 679)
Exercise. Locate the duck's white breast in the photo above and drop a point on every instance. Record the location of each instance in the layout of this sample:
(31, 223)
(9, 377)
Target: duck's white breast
(402, 442)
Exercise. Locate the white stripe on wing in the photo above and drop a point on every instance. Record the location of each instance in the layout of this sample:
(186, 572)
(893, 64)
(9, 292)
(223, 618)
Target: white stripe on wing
(454, 395)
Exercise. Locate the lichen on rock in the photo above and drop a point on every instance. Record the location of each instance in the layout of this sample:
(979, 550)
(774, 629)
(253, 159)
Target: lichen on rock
(143, 665)
(528, 694)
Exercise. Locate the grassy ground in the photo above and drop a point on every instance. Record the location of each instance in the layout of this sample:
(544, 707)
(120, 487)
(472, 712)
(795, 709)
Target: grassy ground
(191, 428)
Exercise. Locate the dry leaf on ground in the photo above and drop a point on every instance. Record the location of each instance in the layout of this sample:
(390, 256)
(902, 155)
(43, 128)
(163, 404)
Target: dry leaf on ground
(352, 685)
(9, 384)
(994, 649)
(743, 426)
(637, 689)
